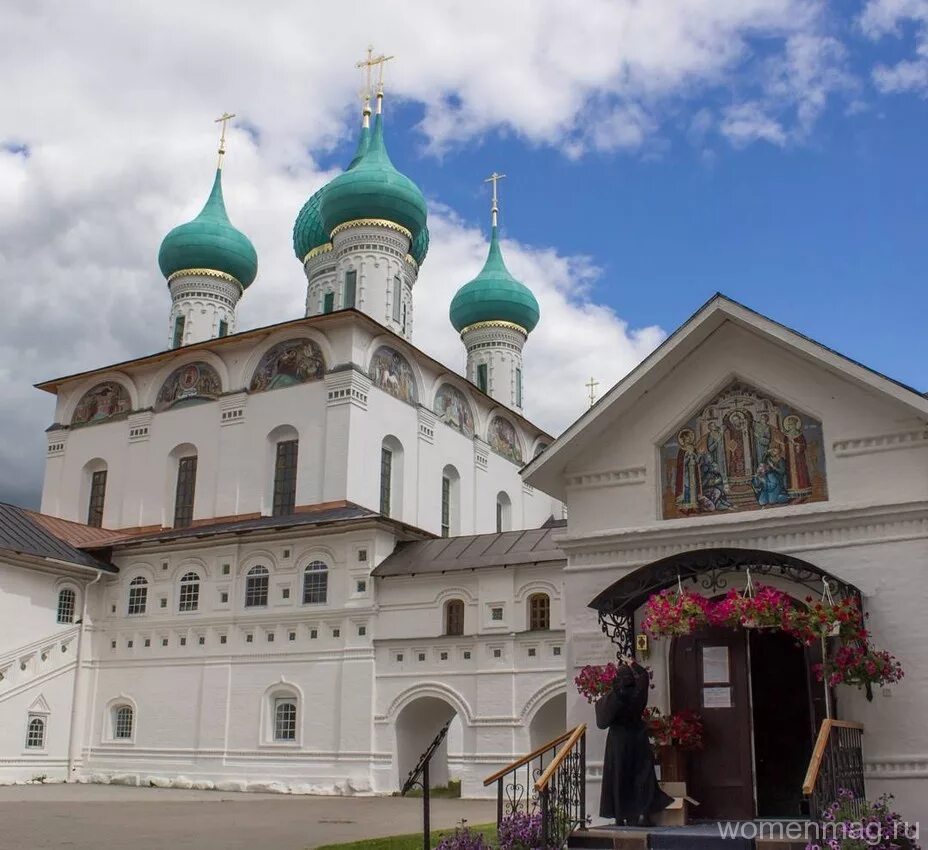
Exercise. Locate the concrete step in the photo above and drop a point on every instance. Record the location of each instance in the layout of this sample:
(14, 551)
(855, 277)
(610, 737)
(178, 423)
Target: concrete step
(702, 836)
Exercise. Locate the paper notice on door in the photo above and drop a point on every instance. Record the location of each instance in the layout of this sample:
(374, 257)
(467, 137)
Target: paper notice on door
(716, 697)
(715, 664)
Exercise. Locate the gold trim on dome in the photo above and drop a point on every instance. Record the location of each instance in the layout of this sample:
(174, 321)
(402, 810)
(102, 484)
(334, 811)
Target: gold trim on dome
(412, 261)
(319, 249)
(203, 273)
(371, 222)
(512, 326)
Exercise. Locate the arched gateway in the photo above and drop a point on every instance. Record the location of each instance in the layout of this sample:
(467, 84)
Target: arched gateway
(756, 691)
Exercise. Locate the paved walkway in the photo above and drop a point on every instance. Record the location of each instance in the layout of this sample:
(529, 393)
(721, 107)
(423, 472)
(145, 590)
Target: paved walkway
(110, 817)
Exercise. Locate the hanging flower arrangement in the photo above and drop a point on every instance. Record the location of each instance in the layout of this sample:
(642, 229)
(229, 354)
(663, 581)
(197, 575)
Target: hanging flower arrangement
(594, 680)
(861, 665)
(828, 618)
(682, 729)
(675, 612)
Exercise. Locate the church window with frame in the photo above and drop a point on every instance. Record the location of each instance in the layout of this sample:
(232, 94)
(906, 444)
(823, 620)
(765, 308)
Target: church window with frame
(123, 722)
(482, 382)
(285, 477)
(386, 482)
(397, 297)
(189, 597)
(518, 387)
(351, 288)
(179, 323)
(138, 595)
(285, 714)
(539, 612)
(256, 585)
(315, 583)
(185, 491)
(97, 498)
(66, 604)
(35, 733)
(454, 617)
(328, 302)
(223, 328)
(445, 506)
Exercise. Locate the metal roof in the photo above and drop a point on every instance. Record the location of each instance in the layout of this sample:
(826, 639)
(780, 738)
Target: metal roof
(20, 533)
(478, 551)
(341, 513)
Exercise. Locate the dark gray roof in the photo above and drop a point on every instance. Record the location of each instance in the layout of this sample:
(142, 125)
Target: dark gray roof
(478, 551)
(20, 533)
(341, 513)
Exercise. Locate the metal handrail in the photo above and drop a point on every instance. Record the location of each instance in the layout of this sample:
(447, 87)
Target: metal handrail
(818, 753)
(524, 760)
(836, 766)
(557, 761)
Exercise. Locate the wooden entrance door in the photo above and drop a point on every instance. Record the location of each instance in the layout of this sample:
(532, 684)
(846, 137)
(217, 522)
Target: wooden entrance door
(709, 674)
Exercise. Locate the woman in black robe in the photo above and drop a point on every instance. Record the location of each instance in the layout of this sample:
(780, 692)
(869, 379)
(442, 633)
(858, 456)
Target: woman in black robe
(630, 792)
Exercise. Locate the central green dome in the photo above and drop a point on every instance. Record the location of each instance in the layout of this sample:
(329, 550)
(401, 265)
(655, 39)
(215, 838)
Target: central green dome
(374, 189)
(494, 296)
(210, 242)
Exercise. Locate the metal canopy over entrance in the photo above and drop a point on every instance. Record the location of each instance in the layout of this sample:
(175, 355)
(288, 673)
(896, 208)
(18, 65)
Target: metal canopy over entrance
(706, 569)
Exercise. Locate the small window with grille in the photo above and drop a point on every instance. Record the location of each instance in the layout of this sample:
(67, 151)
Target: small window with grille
(66, 599)
(285, 719)
(256, 583)
(315, 583)
(35, 733)
(138, 595)
(122, 722)
(285, 477)
(189, 598)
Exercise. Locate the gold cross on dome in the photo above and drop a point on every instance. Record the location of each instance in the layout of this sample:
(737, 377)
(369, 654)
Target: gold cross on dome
(223, 119)
(591, 385)
(369, 64)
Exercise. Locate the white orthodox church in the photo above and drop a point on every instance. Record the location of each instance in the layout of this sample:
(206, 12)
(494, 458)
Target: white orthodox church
(284, 557)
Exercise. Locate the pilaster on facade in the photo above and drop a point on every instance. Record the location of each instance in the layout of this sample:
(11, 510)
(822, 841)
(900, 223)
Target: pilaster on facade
(139, 426)
(232, 409)
(57, 441)
(347, 387)
(427, 421)
(481, 454)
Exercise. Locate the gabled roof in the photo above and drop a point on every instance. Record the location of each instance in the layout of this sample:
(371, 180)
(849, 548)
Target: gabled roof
(20, 533)
(547, 470)
(478, 551)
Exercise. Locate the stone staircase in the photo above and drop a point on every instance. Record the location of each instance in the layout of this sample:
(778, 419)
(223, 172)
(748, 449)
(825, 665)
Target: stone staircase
(43, 659)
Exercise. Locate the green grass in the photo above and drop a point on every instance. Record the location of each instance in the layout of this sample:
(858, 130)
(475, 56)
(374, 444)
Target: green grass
(410, 842)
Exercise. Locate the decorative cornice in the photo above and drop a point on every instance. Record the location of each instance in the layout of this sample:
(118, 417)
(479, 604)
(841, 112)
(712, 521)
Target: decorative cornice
(371, 222)
(319, 249)
(427, 421)
(347, 387)
(881, 443)
(803, 529)
(494, 324)
(897, 767)
(205, 273)
(607, 478)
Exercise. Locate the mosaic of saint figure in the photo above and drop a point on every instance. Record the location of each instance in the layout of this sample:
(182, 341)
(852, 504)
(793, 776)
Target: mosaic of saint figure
(452, 408)
(295, 361)
(191, 382)
(392, 373)
(102, 402)
(744, 451)
(503, 439)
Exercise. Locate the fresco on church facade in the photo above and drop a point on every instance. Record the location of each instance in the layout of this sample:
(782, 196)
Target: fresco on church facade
(451, 407)
(503, 439)
(391, 372)
(191, 382)
(743, 451)
(295, 361)
(102, 402)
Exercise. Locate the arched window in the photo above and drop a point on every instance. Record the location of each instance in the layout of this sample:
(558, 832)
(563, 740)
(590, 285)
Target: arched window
(189, 597)
(285, 718)
(35, 733)
(123, 718)
(185, 491)
(450, 501)
(315, 583)
(256, 583)
(503, 512)
(539, 612)
(454, 617)
(391, 477)
(66, 599)
(138, 595)
(285, 459)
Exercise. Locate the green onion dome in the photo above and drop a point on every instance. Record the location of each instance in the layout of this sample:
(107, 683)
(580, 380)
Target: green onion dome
(420, 246)
(374, 189)
(308, 232)
(494, 296)
(210, 242)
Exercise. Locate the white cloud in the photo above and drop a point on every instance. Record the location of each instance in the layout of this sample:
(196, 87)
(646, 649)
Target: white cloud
(892, 18)
(106, 140)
